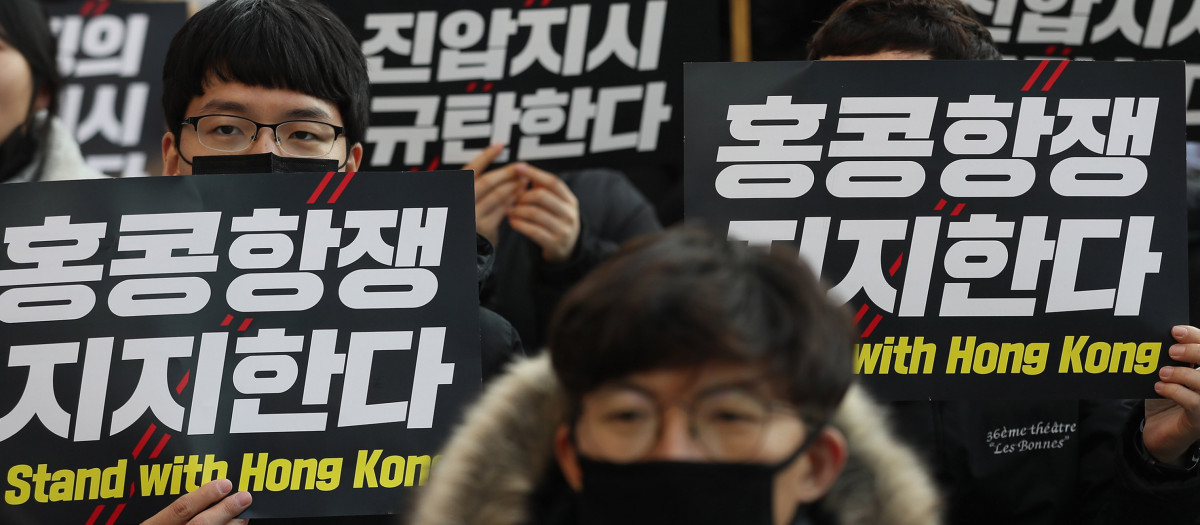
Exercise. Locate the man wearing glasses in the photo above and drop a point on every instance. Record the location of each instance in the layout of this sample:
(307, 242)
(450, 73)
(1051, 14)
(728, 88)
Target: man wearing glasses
(691, 381)
(260, 86)
(306, 99)
(254, 86)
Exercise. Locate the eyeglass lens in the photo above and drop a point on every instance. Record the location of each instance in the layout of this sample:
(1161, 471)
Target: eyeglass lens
(625, 423)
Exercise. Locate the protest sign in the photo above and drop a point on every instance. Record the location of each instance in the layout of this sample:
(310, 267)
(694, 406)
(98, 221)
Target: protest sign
(1101, 30)
(572, 84)
(110, 55)
(311, 337)
(1002, 229)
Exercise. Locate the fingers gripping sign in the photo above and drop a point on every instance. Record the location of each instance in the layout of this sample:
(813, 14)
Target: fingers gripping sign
(207, 505)
(1173, 423)
(547, 213)
(495, 191)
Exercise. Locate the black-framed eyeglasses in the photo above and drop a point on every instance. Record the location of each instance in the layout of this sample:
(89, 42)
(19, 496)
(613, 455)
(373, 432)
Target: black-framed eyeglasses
(296, 138)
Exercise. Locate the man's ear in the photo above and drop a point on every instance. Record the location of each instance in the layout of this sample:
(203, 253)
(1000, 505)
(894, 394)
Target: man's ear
(826, 458)
(170, 155)
(354, 160)
(568, 460)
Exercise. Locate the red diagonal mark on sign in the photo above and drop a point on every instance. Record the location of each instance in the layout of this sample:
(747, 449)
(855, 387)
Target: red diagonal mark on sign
(183, 382)
(116, 513)
(228, 319)
(435, 163)
(142, 442)
(320, 188)
(1050, 50)
(488, 86)
(162, 442)
(896, 265)
(471, 87)
(245, 324)
(341, 187)
(545, 3)
(132, 489)
(958, 209)
(528, 3)
(1036, 73)
(85, 10)
(941, 204)
(1057, 72)
(861, 312)
(1067, 51)
(102, 8)
(95, 514)
(871, 327)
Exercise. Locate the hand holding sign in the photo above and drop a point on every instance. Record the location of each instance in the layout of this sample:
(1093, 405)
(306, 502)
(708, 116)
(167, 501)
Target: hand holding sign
(197, 507)
(1173, 424)
(547, 213)
(495, 191)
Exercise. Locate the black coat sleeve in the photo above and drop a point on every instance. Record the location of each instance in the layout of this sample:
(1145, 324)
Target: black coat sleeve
(611, 211)
(1142, 493)
(499, 343)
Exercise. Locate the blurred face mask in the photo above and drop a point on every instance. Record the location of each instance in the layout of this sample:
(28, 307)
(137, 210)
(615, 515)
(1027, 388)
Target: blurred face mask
(259, 163)
(16, 152)
(695, 493)
(18, 86)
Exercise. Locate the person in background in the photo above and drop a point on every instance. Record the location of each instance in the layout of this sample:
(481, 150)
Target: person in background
(687, 380)
(543, 239)
(34, 144)
(1122, 461)
(242, 93)
(548, 231)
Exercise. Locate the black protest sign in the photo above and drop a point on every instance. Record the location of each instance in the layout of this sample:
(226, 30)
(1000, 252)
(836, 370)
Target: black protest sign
(310, 337)
(1101, 30)
(110, 55)
(557, 82)
(1002, 229)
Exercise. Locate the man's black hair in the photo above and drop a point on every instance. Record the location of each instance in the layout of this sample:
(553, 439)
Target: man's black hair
(295, 45)
(23, 26)
(683, 298)
(946, 29)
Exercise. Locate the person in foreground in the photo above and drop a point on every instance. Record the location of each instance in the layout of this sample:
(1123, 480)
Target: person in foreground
(687, 380)
(1120, 461)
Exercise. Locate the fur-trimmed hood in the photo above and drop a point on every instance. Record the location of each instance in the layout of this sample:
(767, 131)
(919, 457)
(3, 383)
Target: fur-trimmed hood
(496, 459)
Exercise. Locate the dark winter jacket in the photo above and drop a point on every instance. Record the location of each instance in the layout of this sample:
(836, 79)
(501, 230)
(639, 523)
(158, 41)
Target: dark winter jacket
(524, 288)
(1044, 462)
(499, 342)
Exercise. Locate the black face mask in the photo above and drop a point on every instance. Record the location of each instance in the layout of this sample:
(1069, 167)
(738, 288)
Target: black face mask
(16, 153)
(259, 163)
(659, 492)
